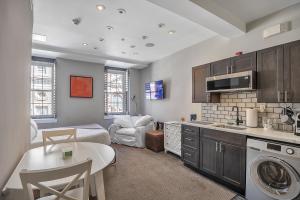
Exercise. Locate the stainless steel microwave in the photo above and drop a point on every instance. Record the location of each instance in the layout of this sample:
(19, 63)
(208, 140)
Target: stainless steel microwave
(241, 81)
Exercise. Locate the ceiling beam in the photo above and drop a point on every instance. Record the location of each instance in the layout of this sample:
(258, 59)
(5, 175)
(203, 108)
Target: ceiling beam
(206, 13)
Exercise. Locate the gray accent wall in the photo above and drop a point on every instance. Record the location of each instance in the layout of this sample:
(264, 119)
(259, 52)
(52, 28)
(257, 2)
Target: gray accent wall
(15, 60)
(176, 69)
(79, 111)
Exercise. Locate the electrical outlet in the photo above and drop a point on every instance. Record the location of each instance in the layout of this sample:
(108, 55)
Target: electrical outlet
(262, 107)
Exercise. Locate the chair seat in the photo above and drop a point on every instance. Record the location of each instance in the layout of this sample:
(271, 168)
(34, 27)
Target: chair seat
(76, 193)
(127, 131)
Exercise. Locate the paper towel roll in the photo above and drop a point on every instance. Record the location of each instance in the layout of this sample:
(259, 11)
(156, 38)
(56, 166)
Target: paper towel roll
(251, 118)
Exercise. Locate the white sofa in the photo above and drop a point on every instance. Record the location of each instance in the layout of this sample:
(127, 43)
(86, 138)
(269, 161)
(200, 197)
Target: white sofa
(85, 133)
(130, 130)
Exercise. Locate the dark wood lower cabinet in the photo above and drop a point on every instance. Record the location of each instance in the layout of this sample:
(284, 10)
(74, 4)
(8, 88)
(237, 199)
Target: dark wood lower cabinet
(208, 156)
(232, 164)
(221, 155)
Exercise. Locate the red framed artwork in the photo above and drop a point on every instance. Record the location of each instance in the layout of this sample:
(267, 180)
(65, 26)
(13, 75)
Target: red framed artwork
(81, 86)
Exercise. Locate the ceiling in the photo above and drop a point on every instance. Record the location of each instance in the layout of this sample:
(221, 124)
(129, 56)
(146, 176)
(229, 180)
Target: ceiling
(254, 9)
(192, 20)
(53, 18)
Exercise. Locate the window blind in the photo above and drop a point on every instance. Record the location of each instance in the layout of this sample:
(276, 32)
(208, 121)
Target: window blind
(43, 88)
(116, 90)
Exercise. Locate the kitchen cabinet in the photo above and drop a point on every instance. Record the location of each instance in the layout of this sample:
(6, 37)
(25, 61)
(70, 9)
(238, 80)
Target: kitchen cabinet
(278, 71)
(208, 155)
(232, 164)
(223, 155)
(199, 86)
(244, 62)
(220, 67)
(270, 75)
(291, 78)
(190, 145)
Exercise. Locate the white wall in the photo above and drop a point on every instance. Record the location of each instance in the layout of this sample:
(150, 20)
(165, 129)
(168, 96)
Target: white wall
(15, 59)
(78, 111)
(176, 70)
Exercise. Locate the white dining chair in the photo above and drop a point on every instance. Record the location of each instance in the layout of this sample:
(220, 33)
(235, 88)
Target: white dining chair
(38, 178)
(68, 134)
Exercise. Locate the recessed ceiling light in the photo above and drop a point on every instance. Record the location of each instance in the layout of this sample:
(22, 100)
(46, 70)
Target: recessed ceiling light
(161, 25)
(172, 32)
(84, 44)
(95, 48)
(122, 39)
(101, 39)
(132, 46)
(39, 37)
(144, 37)
(150, 45)
(100, 7)
(123, 52)
(121, 11)
(110, 28)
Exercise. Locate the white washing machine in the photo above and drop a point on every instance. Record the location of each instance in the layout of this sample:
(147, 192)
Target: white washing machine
(273, 170)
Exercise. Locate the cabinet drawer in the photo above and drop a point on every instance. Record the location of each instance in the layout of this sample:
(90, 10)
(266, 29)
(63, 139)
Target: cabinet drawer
(191, 140)
(221, 136)
(190, 129)
(190, 156)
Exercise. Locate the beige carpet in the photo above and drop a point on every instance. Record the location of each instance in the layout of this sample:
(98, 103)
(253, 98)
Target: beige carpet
(141, 174)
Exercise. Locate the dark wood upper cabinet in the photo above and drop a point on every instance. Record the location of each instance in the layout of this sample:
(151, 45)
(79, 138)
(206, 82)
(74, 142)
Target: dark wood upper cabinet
(245, 62)
(270, 75)
(291, 91)
(199, 86)
(220, 67)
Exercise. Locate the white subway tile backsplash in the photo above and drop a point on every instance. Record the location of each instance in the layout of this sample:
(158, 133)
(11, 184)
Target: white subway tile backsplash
(244, 100)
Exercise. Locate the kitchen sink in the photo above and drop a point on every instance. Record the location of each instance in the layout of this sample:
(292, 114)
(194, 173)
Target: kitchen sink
(201, 122)
(229, 127)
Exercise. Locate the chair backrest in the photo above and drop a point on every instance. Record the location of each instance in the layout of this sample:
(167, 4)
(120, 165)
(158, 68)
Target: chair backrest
(37, 178)
(48, 135)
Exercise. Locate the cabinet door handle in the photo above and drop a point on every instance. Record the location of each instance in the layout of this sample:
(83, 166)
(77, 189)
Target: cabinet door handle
(227, 69)
(188, 139)
(278, 96)
(217, 146)
(207, 98)
(188, 154)
(286, 96)
(231, 69)
(221, 147)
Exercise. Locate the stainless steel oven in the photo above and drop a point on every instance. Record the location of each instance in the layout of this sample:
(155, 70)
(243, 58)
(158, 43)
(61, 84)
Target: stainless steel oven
(241, 81)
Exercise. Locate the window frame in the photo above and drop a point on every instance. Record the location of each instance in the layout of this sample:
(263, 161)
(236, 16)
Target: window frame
(125, 73)
(44, 62)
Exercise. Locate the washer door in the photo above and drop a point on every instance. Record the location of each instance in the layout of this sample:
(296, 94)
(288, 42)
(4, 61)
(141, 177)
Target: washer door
(275, 178)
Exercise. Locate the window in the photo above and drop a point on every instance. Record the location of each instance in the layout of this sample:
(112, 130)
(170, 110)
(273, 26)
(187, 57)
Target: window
(116, 91)
(42, 104)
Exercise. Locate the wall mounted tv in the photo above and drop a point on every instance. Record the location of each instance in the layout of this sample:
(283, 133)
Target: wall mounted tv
(154, 90)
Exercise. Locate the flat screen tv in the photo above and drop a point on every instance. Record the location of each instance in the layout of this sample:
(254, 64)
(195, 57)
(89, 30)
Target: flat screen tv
(154, 90)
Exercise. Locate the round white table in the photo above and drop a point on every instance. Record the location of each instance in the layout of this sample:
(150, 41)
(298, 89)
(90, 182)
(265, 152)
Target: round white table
(37, 159)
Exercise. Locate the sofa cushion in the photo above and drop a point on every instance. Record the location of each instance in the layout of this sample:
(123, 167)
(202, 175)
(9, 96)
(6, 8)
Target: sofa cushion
(123, 121)
(126, 131)
(143, 121)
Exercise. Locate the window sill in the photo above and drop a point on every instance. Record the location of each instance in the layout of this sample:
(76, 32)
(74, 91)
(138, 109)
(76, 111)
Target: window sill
(107, 117)
(46, 121)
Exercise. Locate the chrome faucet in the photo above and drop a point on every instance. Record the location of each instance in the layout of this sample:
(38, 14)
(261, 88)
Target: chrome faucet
(237, 121)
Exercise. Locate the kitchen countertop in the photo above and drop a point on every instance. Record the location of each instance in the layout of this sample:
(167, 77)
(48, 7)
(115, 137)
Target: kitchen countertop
(254, 132)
